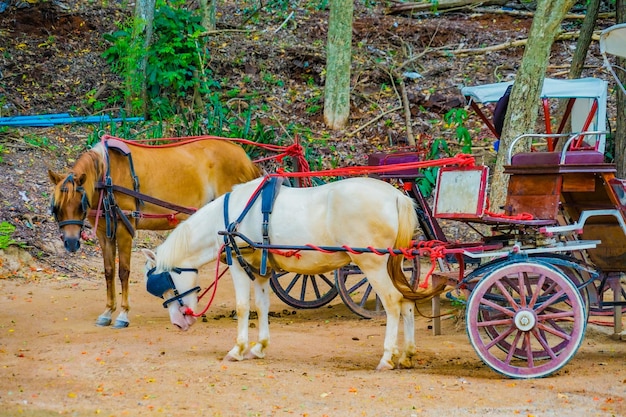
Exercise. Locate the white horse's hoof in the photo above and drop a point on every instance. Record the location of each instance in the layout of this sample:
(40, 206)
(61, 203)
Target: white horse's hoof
(253, 355)
(103, 321)
(120, 324)
(384, 366)
(232, 358)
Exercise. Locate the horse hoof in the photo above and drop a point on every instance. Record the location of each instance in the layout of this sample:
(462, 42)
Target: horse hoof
(103, 321)
(120, 324)
(384, 366)
(253, 355)
(231, 358)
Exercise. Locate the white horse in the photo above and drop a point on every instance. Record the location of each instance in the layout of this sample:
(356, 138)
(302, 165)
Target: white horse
(356, 212)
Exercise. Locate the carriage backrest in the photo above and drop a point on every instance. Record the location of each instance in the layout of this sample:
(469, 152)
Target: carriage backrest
(461, 192)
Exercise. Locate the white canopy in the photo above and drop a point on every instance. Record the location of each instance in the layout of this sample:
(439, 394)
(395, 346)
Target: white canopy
(552, 88)
(584, 90)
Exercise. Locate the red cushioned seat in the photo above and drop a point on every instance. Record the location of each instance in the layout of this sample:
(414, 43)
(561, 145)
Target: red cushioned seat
(554, 158)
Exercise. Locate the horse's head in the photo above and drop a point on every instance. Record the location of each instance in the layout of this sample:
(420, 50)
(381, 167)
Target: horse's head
(178, 286)
(69, 206)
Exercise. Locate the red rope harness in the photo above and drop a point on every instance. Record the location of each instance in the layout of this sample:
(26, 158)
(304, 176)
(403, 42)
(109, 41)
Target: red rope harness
(218, 275)
(521, 216)
(460, 160)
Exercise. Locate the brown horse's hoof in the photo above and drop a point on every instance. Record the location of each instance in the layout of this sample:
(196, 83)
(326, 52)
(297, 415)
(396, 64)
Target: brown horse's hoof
(103, 321)
(120, 324)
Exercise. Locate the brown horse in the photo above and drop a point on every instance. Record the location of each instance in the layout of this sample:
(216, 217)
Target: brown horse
(121, 186)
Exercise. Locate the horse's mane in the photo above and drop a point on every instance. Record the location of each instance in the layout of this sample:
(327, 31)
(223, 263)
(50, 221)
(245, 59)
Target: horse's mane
(90, 163)
(173, 248)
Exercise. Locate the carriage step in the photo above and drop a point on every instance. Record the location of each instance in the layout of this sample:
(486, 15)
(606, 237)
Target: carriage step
(446, 277)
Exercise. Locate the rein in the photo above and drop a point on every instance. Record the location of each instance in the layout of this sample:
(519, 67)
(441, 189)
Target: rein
(158, 284)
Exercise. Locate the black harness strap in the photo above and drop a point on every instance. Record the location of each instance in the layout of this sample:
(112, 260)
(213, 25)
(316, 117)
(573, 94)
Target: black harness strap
(146, 198)
(111, 210)
(268, 189)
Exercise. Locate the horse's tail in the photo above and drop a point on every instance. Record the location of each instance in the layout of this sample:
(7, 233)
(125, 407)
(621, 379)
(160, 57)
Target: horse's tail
(407, 225)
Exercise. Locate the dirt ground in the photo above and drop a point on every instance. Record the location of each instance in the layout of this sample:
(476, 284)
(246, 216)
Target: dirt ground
(321, 362)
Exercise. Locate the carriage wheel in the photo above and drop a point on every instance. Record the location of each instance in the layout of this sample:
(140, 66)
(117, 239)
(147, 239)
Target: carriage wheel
(303, 290)
(494, 332)
(525, 320)
(357, 293)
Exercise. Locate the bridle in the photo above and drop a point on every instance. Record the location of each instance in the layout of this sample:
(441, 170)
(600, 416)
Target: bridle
(84, 205)
(158, 284)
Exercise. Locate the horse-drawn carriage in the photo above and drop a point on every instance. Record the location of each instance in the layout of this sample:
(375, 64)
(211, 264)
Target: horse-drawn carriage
(530, 282)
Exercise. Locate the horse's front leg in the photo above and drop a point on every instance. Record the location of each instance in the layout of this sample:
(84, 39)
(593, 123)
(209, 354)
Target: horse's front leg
(124, 244)
(262, 301)
(242, 302)
(108, 255)
(408, 316)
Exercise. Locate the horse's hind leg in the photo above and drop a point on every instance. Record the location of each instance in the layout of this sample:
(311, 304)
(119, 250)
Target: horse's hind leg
(391, 300)
(108, 255)
(242, 302)
(408, 317)
(262, 301)
(124, 242)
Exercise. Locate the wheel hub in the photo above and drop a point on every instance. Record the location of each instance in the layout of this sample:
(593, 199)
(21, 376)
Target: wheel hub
(525, 320)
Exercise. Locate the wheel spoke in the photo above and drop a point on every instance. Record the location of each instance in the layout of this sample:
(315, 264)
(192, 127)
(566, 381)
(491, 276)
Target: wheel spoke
(292, 283)
(356, 286)
(562, 334)
(522, 289)
(501, 337)
(509, 356)
(529, 350)
(542, 341)
(305, 279)
(508, 296)
(366, 295)
(533, 299)
(553, 299)
(498, 307)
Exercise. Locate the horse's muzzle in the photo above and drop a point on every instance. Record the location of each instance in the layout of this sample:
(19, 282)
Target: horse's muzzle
(72, 244)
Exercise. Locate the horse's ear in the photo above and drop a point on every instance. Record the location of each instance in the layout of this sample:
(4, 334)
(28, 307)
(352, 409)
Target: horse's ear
(54, 177)
(151, 256)
(81, 180)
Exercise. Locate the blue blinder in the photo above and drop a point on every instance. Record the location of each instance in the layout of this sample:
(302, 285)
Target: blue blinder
(158, 284)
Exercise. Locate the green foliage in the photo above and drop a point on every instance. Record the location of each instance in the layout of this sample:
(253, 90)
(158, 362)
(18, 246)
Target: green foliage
(6, 235)
(2, 151)
(427, 183)
(456, 118)
(39, 141)
(174, 68)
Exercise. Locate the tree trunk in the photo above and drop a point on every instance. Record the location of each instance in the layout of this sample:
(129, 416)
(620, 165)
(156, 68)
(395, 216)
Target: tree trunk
(142, 34)
(584, 39)
(208, 8)
(580, 54)
(620, 129)
(338, 61)
(523, 106)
